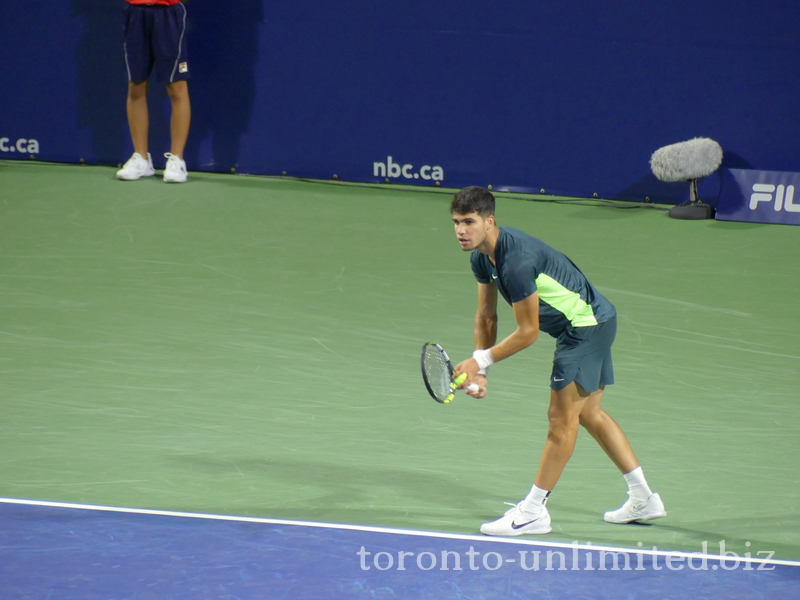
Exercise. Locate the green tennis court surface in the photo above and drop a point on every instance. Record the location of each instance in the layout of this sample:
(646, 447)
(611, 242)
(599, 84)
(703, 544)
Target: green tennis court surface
(250, 346)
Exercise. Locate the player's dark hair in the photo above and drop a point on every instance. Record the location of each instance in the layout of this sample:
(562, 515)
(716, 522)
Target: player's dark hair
(473, 199)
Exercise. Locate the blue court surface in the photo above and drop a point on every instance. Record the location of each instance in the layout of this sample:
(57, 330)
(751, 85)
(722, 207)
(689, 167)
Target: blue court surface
(56, 551)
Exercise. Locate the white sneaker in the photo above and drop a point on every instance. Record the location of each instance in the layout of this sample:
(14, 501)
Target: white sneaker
(136, 167)
(175, 171)
(518, 521)
(637, 510)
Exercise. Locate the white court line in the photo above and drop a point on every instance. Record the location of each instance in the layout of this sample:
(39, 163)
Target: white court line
(390, 530)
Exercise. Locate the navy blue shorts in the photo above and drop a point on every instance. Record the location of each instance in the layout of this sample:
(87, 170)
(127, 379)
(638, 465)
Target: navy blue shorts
(583, 355)
(155, 39)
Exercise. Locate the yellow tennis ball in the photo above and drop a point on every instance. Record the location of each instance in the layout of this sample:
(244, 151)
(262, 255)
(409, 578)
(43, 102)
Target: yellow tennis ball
(460, 379)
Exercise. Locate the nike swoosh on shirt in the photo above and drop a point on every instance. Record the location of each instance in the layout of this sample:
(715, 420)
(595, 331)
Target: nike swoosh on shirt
(557, 379)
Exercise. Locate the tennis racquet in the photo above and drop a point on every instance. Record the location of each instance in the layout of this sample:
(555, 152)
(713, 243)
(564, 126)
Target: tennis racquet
(437, 373)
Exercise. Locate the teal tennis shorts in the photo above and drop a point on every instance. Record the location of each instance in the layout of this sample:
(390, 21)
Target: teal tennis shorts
(583, 355)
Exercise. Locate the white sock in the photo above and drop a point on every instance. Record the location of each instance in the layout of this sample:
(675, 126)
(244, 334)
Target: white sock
(637, 484)
(534, 502)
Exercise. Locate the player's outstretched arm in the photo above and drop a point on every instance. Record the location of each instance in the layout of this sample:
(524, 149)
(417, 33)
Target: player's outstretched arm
(526, 313)
(485, 334)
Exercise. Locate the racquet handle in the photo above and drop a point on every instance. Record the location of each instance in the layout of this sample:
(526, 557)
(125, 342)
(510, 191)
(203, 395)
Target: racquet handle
(472, 387)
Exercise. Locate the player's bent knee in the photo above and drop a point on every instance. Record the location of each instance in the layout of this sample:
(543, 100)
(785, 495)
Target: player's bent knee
(592, 417)
(561, 427)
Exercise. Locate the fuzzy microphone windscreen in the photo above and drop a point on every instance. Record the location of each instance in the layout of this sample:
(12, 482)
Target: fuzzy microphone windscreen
(685, 161)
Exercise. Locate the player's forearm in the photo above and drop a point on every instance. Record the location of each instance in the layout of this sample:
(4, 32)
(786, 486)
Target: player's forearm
(485, 331)
(520, 339)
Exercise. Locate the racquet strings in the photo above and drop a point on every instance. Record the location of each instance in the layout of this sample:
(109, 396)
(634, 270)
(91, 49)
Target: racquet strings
(437, 372)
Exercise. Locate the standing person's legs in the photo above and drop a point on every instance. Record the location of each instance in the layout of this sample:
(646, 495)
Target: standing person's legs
(140, 164)
(607, 433)
(181, 117)
(138, 115)
(172, 69)
(563, 416)
(530, 515)
(175, 169)
(582, 355)
(582, 362)
(643, 504)
(569, 407)
(139, 64)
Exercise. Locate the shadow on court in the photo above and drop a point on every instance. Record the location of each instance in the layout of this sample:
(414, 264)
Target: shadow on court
(345, 494)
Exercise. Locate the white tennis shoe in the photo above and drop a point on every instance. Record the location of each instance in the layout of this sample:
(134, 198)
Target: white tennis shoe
(518, 521)
(175, 171)
(137, 166)
(637, 510)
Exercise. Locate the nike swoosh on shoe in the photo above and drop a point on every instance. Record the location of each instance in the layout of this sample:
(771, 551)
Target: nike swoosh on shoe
(521, 525)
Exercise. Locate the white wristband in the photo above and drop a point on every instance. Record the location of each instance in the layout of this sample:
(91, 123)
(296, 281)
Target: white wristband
(484, 359)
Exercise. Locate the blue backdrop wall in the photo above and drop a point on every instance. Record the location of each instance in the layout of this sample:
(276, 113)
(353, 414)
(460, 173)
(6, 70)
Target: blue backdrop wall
(569, 97)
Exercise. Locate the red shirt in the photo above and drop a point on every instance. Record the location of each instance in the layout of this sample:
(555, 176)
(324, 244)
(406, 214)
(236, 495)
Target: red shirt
(164, 2)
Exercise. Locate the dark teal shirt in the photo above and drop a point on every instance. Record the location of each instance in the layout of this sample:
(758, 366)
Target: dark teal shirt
(525, 264)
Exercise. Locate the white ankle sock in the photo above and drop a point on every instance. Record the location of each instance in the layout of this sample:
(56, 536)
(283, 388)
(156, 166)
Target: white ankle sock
(534, 502)
(637, 484)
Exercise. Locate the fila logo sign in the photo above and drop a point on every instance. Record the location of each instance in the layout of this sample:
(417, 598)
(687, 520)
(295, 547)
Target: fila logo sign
(782, 196)
(759, 197)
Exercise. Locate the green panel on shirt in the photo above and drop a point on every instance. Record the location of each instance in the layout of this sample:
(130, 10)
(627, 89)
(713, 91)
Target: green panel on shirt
(565, 301)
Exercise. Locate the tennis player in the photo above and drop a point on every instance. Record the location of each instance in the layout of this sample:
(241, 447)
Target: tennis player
(547, 293)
